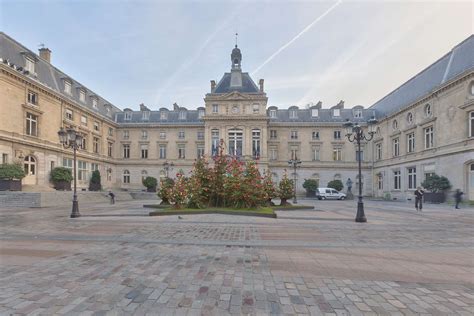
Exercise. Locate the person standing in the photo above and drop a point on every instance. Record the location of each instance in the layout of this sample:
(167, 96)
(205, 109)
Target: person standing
(419, 199)
(457, 197)
(112, 197)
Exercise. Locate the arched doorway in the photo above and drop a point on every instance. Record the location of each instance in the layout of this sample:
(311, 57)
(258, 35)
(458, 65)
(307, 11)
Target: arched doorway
(29, 165)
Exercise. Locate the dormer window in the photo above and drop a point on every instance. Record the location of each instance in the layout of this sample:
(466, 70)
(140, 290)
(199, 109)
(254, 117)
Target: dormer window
(273, 113)
(358, 113)
(82, 95)
(30, 64)
(67, 86)
(94, 103)
(293, 114)
(336, 112)
(182, 115)
(314, 112)
(200, 114)
(164, 115)
(146, 115)
(127, 116)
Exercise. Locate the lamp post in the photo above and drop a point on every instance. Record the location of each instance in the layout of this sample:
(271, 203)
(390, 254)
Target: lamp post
(167, 166)
(294, 162)
(69, 138)
(355, 133)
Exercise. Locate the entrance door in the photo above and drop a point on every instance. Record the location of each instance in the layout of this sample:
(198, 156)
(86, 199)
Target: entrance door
(30, 170)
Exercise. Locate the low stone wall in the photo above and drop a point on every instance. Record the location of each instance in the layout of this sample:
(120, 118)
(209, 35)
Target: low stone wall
(59, 198)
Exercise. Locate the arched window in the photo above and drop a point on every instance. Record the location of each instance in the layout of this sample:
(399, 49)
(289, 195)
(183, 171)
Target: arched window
(126, 176)
(30, 165)
(395, 125)
(410, 118)
(427, 110)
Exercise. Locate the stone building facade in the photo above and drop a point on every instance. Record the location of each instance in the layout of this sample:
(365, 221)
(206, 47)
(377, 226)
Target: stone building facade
(36, 99)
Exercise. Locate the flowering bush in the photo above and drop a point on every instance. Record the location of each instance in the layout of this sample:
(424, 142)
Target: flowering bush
(200, 185)
(286, 189)
(178, 193)
(269, 188)
(165, 185)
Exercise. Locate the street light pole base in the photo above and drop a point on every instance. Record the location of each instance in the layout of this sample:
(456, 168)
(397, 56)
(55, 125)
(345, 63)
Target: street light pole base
(360, 217)
(75, 210)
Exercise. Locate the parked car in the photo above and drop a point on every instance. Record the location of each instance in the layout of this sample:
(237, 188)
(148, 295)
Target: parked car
(329, 193)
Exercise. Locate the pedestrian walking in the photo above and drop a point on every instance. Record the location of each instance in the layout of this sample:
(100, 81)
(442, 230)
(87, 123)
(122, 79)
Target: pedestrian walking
(457, 197)
(112, 197)
(419, 198)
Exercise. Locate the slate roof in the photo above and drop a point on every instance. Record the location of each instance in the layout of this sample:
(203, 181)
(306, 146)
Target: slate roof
(155, 118)
(324, 116)
(459, 60)
(248, 86)
(50, 76)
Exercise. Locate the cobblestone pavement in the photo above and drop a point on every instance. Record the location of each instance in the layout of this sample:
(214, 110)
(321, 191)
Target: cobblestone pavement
(115, 260)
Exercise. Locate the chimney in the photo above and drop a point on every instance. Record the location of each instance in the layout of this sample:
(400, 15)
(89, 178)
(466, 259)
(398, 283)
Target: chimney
(213, 85)
(260, 83)
(45, 53)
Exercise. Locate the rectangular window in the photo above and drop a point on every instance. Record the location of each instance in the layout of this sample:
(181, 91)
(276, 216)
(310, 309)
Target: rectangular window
(200, 135)
(314, 112)
(378, 151)
(336, 112)
(163, 115)
(397, 180)
(273, 154)
(215, 108)
(429, 139)
(396, 147)
(359, 155)
(273, 113)
(411, 142)
(127, 116)
(256, 108)
(30, 65)
(4, 158)
(337, 134)
(294, 135)
(162, 135)
(144, 151)
(84, 120)
(110, 149)
(82, 95)
(182, 115)
(337, 154)
(181, 134)
(315, 135)
(162, 151)
(69, 114)
(294, 152)
(181, 152)
(32, 97)
(81, 170)
(316, 154)
(96, 126)
(67, 87)
(94, 103)
(411, 178)
(200, 114)
(471, 123)
(200, 151)
(293, 114)
(84, 142)
(273, 134)
(126, 151)
(144, 135)
(145, 115)
(68, 163)
(214, 141)
(256, 143)
(31, 124)
(95, 145)
(125, 134)
(358, 113)
(380, 182)
(94, 166)
(111, 131)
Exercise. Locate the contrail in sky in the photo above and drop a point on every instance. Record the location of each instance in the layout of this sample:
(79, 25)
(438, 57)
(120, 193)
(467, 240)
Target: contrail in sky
(297, 36)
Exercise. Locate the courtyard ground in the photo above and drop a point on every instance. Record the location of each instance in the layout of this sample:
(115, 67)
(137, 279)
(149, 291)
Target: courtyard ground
(115, 260)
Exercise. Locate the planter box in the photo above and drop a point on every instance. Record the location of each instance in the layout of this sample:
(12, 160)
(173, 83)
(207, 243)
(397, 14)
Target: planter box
(151, 189)
(311, 194)
(94, 187)
(62, 186)
(438, 197)
(10, 185)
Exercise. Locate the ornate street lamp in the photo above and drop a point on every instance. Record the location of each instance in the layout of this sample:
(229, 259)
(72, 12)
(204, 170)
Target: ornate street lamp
(167, 166)
(69, 138)
(355, 133)
(294, 162)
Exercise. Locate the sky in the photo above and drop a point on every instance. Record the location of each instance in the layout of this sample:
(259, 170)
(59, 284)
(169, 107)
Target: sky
(162, 52)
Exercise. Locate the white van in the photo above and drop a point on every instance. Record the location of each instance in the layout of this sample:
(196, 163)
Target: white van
(329, 193)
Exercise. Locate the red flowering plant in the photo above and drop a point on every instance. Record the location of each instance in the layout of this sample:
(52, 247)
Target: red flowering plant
(218, 173)
(234, 186)
(178, 194)
(165, 185)
(200, 185)
(286, 189)
(269, 188)
(254, 193)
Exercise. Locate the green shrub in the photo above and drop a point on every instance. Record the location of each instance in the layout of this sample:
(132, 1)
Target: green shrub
(150, 182)
(59, 174)
(286, 188)
(94, 183)
(11, 171)
(336, 184)
(435, 183)
(310, 185)
(166, 185)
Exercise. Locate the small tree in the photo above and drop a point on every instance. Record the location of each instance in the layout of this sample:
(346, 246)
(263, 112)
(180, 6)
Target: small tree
(310, 185)
(150, 183)
(286, 189)
(11, 172)
(178, 193)
(165, 185)
(60, 174)
(200, 185)
(336, 184)
(269, 188)
(435, 183)
(94, 183)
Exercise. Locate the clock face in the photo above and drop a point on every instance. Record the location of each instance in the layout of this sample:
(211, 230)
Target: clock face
(235, 109)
